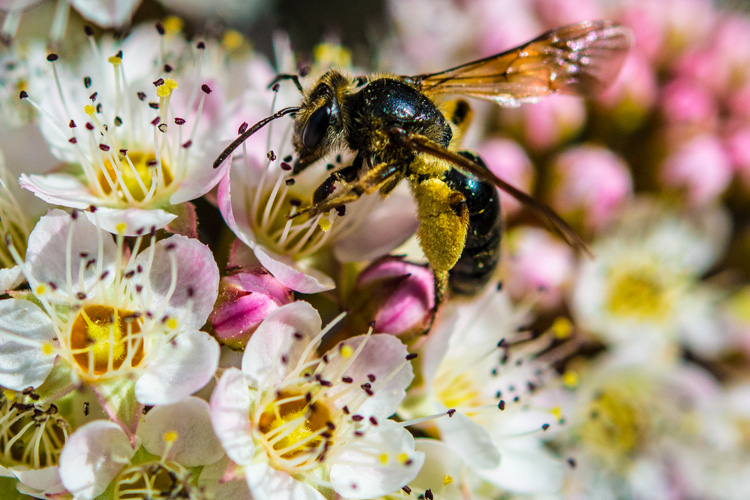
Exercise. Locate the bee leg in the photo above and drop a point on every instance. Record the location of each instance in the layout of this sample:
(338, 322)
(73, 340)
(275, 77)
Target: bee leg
(371, 181)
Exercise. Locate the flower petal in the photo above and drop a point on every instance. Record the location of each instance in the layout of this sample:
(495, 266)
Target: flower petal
(47, 254)
(267, 483)
(130, 221)
(23, 362)
(92, 458)
(469, 440)
(526, 470)
(286, 332)
(45, 480)
(182, 366)
(59, 189)
(191, 264)
(10, 278)
(230, 410)
(376, 464)
(107, 13)
(196, 442)
(375, 365)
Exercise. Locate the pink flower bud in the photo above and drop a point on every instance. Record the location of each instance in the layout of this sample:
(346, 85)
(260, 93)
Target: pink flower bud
(738, 147)
(685, 102)
(700, 168)
(631, 97)
(539, 266)
(590, 183)
(397, 296)
(245, 299)
(510, 162)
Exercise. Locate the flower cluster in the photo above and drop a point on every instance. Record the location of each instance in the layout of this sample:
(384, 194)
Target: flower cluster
(173, 326)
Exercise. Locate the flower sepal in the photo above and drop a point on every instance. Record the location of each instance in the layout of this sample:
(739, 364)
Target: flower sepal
(60, 382)
(186, 222)
(117, 397)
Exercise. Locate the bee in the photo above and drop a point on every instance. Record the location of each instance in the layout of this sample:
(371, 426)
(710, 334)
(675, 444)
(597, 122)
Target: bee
(409, 127)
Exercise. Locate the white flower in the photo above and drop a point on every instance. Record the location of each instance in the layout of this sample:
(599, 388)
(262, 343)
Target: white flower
(476, 364)
(256, 204)
(127, 122)
(299, 425)
(31, 439)
(174, 439)
(643, 290)
(125, 324)
(637, 429)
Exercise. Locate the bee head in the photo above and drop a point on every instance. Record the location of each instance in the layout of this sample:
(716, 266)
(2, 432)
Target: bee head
(318, 125)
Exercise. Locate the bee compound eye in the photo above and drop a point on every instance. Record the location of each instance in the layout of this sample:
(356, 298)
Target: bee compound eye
(316, 127)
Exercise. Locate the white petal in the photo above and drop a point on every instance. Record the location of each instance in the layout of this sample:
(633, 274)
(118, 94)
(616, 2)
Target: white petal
(211, 479)
(92, 458)
(10, 278)
(361, 472)
(107, 13)
(197, 280)
(46, 480)
(230, 416)
(23, 364)
(469, 440)
(385, 226)
(267, 483)
(440, 461)
(286, 332)
(46, 254)
(381, 356)
(526, 471)
(196, 442)
(59, 189)
(182, 366)
(130, 221)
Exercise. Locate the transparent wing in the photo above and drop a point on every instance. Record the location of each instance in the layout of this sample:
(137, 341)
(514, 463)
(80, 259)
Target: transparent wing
(426, 146)
(579, 59)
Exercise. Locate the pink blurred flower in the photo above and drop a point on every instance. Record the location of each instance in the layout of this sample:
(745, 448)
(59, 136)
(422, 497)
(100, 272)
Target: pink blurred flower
(590, 182)
(562, 12)
(700, 168)
(539, 266)
(508, 160)
(548, 123)
(737, 144)
(686, 103)
(634, 93)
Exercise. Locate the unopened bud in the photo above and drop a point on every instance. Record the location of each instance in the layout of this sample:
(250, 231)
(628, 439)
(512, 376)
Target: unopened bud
(397, 296)
(245, 299)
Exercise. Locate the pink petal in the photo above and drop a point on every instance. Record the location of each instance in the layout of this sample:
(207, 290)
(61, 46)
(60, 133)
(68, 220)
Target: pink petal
(230, 416)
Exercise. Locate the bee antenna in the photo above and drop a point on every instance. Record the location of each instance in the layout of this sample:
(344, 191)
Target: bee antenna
(247, 133)
(287, 76)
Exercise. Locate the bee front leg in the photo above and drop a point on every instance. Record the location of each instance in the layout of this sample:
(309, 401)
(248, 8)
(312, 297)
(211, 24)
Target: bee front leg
(327, 198)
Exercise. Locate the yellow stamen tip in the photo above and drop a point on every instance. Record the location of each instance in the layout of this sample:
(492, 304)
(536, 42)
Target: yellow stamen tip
(232, 40)
(9, 395)
(47, 349)
(166, 88)
(173, 24)
(172, 323)
(170, 436)
(115, 60)
(570, 379)
(40, 290)
(403, 458)
(447, 479)
(329, 54)
(562, 328)
(347, 351)
(383, 458)
(557, 412)
(121, 227)
(324, 224)
(89, 109)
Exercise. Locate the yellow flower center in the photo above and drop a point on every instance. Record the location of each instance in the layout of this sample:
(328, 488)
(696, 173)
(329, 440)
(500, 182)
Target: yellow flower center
(616, 424)
(104, 339)
(640, 295)
(293, 425)
(134, 176)
(460, 391)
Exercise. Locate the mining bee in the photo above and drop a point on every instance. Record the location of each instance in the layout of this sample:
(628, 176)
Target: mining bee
(404, 127)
